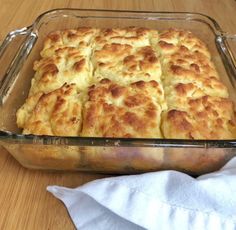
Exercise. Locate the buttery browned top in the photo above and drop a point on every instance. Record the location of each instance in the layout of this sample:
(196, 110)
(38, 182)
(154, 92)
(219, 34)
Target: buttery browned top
(67, 65)
(202, 118)
(125, 63)
(174, 39)
(134, 36)
(127, 82)
(79, 38)
(123, 111)
(55, 113)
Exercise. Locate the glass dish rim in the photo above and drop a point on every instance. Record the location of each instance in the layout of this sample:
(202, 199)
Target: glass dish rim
(217, 26)
(118, 142)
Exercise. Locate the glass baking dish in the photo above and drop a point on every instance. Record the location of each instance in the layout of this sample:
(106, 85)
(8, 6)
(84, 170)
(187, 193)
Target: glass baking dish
(107, 155)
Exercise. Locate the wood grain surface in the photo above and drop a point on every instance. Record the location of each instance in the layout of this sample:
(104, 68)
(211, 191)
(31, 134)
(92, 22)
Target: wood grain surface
(24, 202)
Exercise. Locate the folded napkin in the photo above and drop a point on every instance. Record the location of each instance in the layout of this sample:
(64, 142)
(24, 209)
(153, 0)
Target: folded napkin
(159, 200)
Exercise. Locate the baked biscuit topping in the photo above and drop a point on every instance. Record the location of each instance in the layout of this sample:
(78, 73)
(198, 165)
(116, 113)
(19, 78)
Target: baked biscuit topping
(127, 82)
(188, 63)
(78, 38)
(126, 64)
(67, 65)
(134, 36)
(202, 118)
(173, 40)
(56, 113)
(113, 110)
(195, 86)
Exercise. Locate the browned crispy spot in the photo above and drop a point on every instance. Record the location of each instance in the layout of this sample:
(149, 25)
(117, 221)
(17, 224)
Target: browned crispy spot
(117, 91)
(182, 89)
(54, 36)
(78, 66)
(195, 67)
(179, 119)
(165, 45)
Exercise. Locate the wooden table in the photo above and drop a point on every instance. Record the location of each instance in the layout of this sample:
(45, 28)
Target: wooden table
(24, 202)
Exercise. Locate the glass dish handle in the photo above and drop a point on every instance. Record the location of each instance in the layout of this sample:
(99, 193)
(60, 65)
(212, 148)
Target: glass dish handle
(12, 35)
(227, 45)
(13, 50)
(231, 39)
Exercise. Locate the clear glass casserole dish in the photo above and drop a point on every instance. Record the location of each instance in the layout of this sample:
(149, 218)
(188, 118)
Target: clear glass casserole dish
(107, 155)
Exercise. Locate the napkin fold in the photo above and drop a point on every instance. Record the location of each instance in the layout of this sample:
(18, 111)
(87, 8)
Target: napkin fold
(159, 200)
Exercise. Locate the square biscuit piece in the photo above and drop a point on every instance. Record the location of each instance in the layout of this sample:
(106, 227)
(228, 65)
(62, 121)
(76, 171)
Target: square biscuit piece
(185, 62)
(171, 40)
(125, 64)
(113, 110)
(134, 36)
(202, 118)
(56, 113)
(79, 38)
(183, 87)
(187, 74)
(66, 65)
(178, 93)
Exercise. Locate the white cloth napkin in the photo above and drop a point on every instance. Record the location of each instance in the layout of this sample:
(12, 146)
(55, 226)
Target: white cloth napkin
(159, 200)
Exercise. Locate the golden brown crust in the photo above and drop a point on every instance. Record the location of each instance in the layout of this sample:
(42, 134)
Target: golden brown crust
(179, 90)
(173, 39)
(79, 38)
(56, 113)
(125, 64)
(135, 36)
(187, 63)
(123, 80)
(203, 118)
(117, 111)
(67, 65)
